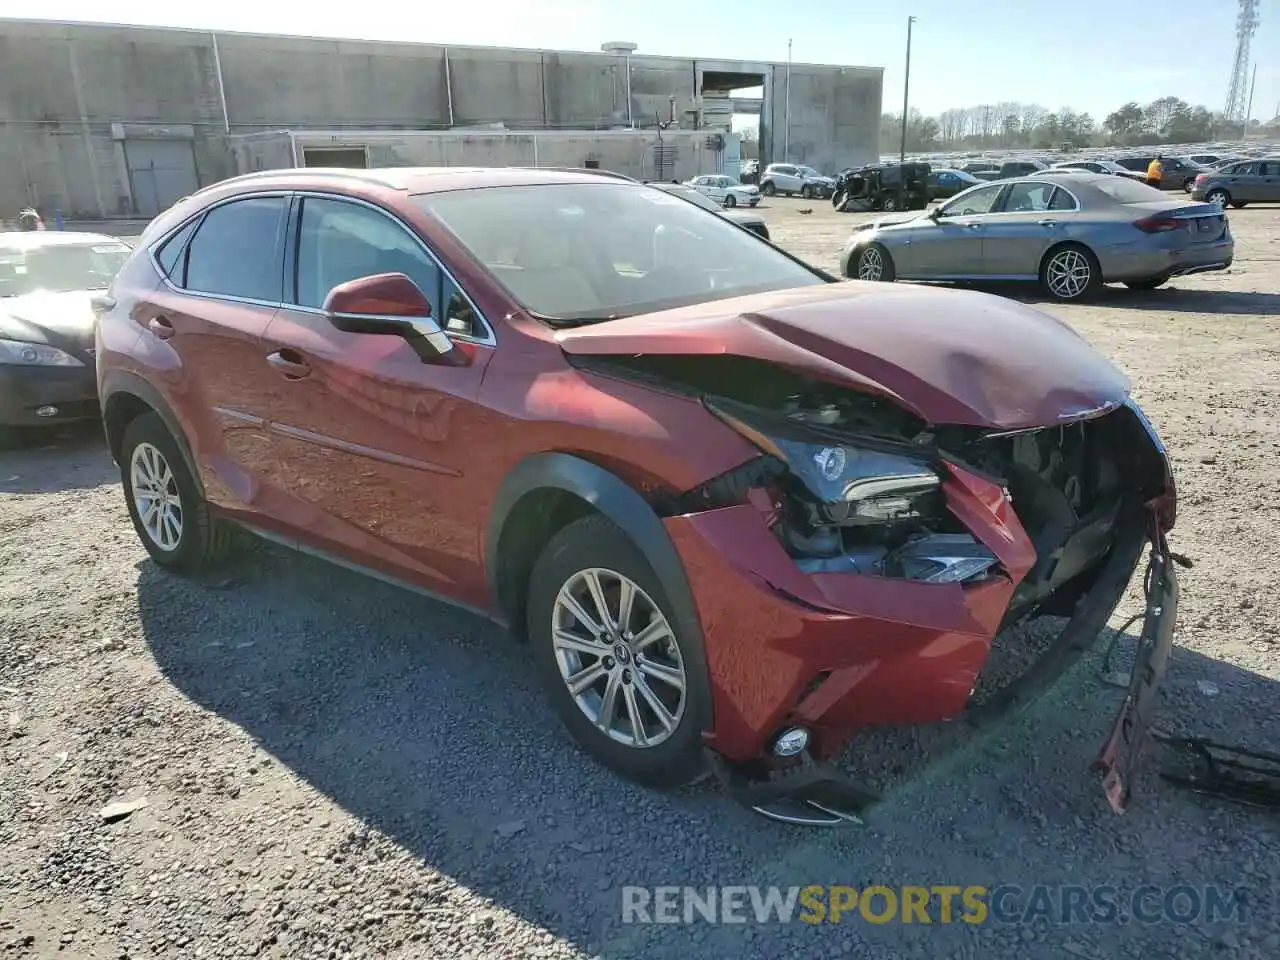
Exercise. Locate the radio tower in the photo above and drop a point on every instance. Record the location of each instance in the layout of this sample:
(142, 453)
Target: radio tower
(1238, 91)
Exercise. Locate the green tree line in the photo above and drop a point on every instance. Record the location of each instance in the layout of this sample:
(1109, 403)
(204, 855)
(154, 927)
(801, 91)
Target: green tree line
(1010, 125)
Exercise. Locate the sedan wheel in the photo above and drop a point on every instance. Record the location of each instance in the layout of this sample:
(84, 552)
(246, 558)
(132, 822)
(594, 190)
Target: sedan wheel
(730, 200)
(618, 658)
(1220, 197)
(1070, 273)
(874, 265)
(156, 497)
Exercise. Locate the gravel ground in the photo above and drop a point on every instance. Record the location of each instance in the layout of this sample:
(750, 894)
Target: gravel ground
(334, 768)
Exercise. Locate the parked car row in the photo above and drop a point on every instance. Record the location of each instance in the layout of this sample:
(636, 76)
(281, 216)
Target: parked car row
(1239, 183)
(708, 485)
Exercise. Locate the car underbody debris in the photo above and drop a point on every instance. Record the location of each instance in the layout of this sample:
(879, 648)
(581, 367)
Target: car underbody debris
(1235, 773)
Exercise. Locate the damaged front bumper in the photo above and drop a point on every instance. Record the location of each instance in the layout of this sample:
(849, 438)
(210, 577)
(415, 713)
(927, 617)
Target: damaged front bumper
(837, 652)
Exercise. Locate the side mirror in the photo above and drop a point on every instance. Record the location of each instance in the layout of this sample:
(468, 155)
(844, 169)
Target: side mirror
(935, 213)
(387, 304)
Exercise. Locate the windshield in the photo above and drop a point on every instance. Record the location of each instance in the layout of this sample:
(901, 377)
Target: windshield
(59, 268)
(584, 252)
(1124, 190)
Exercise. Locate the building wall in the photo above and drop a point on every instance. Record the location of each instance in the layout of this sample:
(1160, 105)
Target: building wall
(64, 86)
(632, 153)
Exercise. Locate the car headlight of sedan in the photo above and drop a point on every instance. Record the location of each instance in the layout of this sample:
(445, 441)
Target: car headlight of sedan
(864, 507)
(17, 353)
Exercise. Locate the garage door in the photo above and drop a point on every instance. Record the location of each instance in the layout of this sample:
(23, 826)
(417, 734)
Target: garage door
(161, 172)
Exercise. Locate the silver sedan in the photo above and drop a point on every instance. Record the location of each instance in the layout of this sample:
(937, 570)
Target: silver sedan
(1071, 234)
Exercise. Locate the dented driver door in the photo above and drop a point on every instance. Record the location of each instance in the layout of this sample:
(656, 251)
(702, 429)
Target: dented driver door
(375, 446)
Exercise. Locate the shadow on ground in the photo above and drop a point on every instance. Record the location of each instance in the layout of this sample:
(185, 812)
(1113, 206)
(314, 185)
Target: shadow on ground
(426, 723)
(70, 457)
(1163, 300)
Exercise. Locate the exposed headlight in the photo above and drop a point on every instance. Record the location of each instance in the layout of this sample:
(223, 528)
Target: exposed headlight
(850, 484)
(20, 354)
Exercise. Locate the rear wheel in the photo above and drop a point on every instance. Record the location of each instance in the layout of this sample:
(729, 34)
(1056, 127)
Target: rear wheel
(1219, 196)
(874, 264)
(611, 661)
(171, 518)
(1149, 283)
(1070, 272)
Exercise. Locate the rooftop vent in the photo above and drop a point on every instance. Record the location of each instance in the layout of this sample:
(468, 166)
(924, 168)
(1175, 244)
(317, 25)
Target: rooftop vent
(619, 47)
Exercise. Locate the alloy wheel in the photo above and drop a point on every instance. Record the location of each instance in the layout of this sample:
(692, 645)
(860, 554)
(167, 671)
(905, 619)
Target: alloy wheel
(156, 497)
(1068, 274)
(1219, 197)
(870, 264)
(619, 658)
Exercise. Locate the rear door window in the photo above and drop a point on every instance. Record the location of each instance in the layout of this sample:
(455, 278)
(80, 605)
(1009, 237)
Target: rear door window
(237, 250)
(1028, 198)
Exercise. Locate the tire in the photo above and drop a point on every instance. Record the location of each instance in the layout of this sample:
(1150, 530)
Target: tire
(806, 192)
(889, 204)
(837, 200)
(1188, 184)
(865, 267)
(1074, 259)
(730, 200)
(595, 546)
(1218, 196)
(202, 541)
(768, 189)
(1148, 283)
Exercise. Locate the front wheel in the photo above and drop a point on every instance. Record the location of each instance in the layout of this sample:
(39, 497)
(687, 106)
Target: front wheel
(613, 665)
(874, 264)
(806, 192)
(768, 189)
(171, 518)
(730, 200)
(1071, 273)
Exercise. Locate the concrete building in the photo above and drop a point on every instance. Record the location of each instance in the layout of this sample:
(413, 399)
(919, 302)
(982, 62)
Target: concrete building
(104, 120)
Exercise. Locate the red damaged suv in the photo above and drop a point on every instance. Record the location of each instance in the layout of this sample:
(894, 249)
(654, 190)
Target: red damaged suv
(738, 509)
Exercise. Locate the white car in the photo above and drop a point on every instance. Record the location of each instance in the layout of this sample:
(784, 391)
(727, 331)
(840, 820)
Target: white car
(793, 178)
(725, 189)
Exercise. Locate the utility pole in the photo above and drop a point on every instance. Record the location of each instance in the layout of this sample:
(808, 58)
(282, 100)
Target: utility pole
(1248, 111)
(786, 113)
(906, 93)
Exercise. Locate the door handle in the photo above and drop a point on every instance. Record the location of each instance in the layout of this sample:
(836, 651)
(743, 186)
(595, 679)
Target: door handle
(290, 365)
(162, 327)
(974, 226)
(1047, 223)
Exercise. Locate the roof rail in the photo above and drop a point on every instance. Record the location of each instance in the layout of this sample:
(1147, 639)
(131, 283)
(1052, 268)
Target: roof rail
(595, 170)
(354, 174)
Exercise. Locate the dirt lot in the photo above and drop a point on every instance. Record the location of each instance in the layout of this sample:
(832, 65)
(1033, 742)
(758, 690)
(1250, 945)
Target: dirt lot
(337, 769)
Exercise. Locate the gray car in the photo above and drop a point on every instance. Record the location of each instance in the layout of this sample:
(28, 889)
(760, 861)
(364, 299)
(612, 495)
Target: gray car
(1238, 184)
(1069, 233)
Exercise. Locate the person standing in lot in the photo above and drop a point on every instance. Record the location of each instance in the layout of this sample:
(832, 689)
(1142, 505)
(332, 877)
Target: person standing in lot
(1155, 172)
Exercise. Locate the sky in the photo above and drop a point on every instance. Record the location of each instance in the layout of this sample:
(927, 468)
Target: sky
(1091, 55)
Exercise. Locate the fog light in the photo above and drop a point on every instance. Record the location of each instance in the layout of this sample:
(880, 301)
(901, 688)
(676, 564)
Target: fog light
(791, 742)
(46, 411)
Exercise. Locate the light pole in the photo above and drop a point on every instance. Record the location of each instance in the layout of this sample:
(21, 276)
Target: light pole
(906, 92)
(786, 112)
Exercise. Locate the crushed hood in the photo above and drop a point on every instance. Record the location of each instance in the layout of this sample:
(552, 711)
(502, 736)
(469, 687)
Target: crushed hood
(949, 356)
